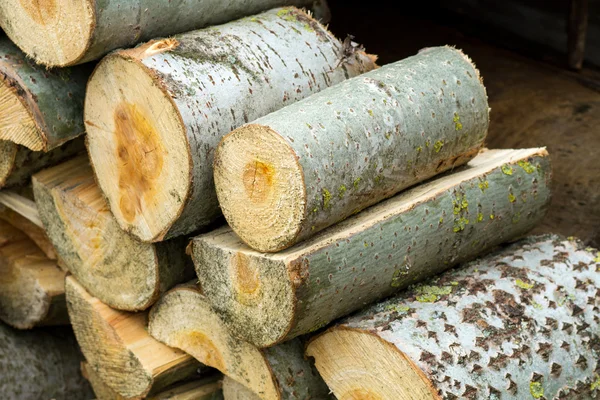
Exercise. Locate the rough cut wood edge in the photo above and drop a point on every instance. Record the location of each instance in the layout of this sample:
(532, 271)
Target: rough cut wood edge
(40, 109)
(268, 298)
(118, 347)
(29, 227)
(233, 390)
(113, 266)
(32, 291)
(520, 323)
(41, 364)
(183, 319)
(155, 113)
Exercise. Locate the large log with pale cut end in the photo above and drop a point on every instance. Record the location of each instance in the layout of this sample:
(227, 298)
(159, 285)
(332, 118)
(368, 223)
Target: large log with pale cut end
(62, 32)
(183, 319)
(118, 347)
(113, 266)
(41, 364)
(154, 114)
(39, 108)
(294, 172)
(268, 298)
(32, 289)
(522, 323)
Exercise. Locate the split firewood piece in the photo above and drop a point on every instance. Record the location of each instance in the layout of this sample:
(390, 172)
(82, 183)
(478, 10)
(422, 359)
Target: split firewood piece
(183, 319)
(41, 364)
(18, 163)
(40, 108)
(59, 33)
(233, 390)
(118, 347)
(32, 287)
(288, 175)
(113, 266)
(154, 114)
(522, 323)
(268, 298)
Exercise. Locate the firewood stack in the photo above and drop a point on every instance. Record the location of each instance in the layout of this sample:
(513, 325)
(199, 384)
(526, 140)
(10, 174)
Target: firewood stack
(349, 193)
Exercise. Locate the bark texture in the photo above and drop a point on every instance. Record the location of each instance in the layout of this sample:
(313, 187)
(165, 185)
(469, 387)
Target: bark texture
(41, 364)
(521, 323)
(118, 347)
(175, 99)
(268, 298)
(294, 172)
(32, 290)
(113, 266)
(183, 319)
(39, 108)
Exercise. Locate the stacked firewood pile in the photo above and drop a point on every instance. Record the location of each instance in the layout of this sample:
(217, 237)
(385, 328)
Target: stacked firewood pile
(349, 193)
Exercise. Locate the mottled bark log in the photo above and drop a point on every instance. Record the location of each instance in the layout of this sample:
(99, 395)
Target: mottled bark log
(268, 298)
(18, 163)
(118, 347)
(522, 323)
(154, 114)
(40, 364)
(32, 290)
(183, 319)
(296, 171)
(113, 266)
(39, 108)
(63, 32)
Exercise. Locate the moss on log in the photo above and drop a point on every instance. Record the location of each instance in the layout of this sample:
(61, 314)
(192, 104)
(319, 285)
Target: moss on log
(268, 298)
(154, 114)
(522, 323)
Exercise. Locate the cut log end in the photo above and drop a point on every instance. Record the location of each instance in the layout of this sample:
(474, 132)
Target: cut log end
(257, 172)
(8, 153)
(367, 378)
(16, 118)
(233, 390)
(138, 146)
(53, 32)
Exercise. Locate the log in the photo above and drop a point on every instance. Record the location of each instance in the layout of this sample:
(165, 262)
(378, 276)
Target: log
(154, 114)
(40, 108)
(522, 323)
(183, 319)
(60, 33)
(18, 163)
(32, 290)
(294, 172)
(113, 266)
(268, 298)
(120, 350)
(41, 364)
(233, 390)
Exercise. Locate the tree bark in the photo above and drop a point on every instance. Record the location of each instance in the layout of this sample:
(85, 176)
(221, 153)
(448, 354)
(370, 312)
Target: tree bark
(32, 290)
(113, 266)
(59, 33)
(294, 172)
(154, 114)
(522, 323)
(40, 108)
(18, 163)
(41, 364)
(183, 319)
(269, 298)
(118, 347)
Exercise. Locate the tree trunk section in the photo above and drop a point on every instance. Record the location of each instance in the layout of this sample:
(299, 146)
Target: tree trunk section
(521, 323)
(183, 319)
(290, 174)
(41, 364)
(40, 108)
(269, 298)
(155, 114)
(32, 290)
(118, 347)
(113, 266)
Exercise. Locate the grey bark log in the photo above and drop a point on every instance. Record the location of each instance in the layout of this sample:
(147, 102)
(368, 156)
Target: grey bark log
(269, 298)
(521, 323)
(350, 146)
